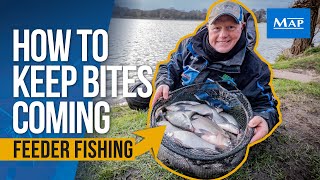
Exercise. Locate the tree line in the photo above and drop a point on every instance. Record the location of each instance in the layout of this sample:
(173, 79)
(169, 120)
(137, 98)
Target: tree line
(172, 14)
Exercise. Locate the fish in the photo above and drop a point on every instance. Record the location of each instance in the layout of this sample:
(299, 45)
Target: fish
(169, 127)
(216, 117)
(185, 138)
(181, 119)
(201, 109)
(229, 118)
(233, 138)
(186, 102)
(218, 109)
(224, 123)
(205, 110)
(178, 106)
(229, 127)
(190, 140)
(210, 132)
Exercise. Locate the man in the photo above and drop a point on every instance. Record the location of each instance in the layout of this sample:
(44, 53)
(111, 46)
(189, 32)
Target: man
(222, 48)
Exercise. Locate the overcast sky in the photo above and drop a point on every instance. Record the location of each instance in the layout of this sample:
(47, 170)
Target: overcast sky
(188, 5)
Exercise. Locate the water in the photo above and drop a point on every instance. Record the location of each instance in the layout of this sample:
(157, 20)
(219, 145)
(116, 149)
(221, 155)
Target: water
(139, 42)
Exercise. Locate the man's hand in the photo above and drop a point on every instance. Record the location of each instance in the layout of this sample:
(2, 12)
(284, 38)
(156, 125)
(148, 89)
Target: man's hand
(260, 128)
(162, 91)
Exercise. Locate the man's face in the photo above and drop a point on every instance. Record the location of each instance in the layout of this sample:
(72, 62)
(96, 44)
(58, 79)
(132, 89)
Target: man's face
(224, 33)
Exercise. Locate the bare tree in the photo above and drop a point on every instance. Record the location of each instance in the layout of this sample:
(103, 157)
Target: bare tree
(300, 45)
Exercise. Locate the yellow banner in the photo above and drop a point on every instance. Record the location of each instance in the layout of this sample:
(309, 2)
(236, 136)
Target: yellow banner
(80, 149)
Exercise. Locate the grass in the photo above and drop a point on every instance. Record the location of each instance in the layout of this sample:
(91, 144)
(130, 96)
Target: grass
(281, 58)
(270, 159)
(283, 87)
(312, 51)
(310, 61)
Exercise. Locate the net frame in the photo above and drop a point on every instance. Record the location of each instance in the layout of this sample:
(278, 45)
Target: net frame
(199, 162)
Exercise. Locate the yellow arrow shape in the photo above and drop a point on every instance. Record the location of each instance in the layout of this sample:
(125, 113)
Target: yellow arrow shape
(152, 140)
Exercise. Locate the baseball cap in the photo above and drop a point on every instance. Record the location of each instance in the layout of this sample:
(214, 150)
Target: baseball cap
(226, 8)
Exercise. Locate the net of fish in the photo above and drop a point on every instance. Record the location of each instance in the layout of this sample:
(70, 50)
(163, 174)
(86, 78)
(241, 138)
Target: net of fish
(203, 162)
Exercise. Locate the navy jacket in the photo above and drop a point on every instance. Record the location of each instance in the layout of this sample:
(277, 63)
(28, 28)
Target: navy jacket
(244, 69)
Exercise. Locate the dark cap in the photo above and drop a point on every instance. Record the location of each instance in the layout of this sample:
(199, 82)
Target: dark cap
(226, 8)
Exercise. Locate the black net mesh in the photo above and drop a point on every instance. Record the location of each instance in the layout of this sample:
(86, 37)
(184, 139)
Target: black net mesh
(202, 163)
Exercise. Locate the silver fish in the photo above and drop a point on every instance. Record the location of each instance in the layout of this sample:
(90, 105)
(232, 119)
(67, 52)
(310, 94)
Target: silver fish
(229, 118)
(181, 119)
(190, 140)
(185, 138)
(216, 117)
(177, 105)
(210, 132)
(201, 109)
(185, 102)
(230, 128)
(233, 138)
(218, 109)
(169, 127)
(206, 110)
(223, 123)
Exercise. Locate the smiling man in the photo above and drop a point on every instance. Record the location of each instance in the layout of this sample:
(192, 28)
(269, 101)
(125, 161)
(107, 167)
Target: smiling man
(224, 33)
(221, 49)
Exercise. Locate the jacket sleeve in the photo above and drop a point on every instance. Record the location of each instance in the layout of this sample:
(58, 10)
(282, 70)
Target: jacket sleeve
(170, 73)
(261, 98)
